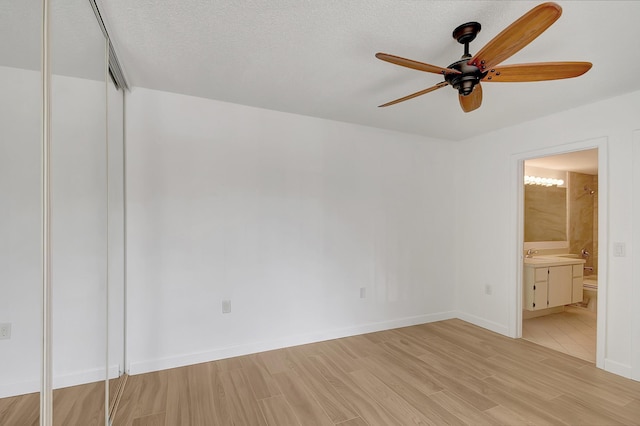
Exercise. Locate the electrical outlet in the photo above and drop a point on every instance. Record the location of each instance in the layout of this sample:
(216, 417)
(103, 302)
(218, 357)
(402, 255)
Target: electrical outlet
(5, 331)
(363, 292)
(487, 289)
(226, 306)
(619, 249)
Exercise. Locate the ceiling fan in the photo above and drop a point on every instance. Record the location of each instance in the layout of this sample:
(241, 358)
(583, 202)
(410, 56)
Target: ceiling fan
(466, 74)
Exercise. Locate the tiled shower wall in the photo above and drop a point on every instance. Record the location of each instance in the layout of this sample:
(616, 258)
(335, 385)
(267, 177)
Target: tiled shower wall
(583, 217)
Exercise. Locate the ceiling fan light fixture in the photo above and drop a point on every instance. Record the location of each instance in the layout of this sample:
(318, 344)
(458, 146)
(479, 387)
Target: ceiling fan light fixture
(466, 87)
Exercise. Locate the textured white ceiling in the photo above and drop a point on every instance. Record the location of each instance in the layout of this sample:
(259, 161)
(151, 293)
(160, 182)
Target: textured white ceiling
(316, 57)
(77, 45)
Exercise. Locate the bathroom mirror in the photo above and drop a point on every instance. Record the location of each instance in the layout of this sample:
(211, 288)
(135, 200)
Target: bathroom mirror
(545, 213)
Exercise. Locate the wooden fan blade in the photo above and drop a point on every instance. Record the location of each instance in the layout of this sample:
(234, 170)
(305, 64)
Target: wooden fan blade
(420, 66)
(537, 71)
(473, 100)
(516, 36)
(414, 95)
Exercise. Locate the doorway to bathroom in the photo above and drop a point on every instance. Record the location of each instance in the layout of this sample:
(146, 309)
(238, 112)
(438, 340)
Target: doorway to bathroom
(560, 252)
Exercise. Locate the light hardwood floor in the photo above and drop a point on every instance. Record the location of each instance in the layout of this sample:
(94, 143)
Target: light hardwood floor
(76, 405)
(448, 372)
(572, 332)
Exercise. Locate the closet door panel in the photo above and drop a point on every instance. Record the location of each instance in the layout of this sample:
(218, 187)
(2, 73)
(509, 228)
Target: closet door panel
(78, 213)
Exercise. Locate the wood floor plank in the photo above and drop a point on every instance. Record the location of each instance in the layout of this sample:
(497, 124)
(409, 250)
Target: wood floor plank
(389, 399)
(451, 357)
(152, 393)
(20, 410)
(150, 420)
(503, 416)
(263, 385)
(360, 346)
(570, 411)
(242, 406)
(178, 404)
(398, 377)
(370, 411)
(566, 381)
(633, 408)
(461, 409)
(278, 412)
(485, 342)
(448, 372)
(127, 407)
(615, 383)
(412, 390)
(305, 407)
(529, 385)
(229, 364)
(219, 400)
(470, 342)
(516, 403)
(378, 337)
(274, 360)
(341, 356)
(115, 387)
(79, 405)
(450, 379)
(408, 372)
(200, 390)
(532, 399)
(353, 422)
(335, 407)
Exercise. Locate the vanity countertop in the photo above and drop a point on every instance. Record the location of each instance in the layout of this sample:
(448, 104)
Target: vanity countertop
(552, 261)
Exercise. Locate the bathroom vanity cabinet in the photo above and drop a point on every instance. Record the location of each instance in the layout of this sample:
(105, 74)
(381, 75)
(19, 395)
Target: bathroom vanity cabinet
(551, 281)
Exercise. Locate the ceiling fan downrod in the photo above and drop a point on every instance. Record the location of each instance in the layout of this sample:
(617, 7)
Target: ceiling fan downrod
(470, 74)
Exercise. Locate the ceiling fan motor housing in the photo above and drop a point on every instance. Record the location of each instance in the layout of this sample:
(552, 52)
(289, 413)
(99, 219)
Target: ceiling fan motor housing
(469, 77)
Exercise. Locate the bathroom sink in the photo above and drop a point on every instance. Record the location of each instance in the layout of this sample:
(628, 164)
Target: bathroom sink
(553, 260)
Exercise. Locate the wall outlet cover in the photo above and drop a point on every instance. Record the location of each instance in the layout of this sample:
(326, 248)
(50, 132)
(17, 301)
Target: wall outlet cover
(5, 331)
(619, 249)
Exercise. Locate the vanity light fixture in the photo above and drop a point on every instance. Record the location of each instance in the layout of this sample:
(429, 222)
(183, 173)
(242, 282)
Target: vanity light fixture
(535, 180)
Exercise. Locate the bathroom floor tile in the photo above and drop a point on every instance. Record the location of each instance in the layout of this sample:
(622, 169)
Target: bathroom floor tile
(572, 332)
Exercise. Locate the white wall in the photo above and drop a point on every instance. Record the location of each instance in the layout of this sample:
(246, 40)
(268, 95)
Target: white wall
(486, 217)
(20, 272)
(286, 216)
(78, 230)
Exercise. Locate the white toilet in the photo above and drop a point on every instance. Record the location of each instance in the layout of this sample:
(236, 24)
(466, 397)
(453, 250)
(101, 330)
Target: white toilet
(590, 292)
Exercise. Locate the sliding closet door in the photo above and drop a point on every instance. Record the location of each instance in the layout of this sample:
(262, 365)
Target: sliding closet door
(116, 259)
(20, 211)
(79, 215)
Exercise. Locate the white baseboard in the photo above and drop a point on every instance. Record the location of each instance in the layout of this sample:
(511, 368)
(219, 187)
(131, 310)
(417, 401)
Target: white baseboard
(20, 388)
(255, 347)
(82, 377)
(481, 322)
(61, 381)
(618, 368)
